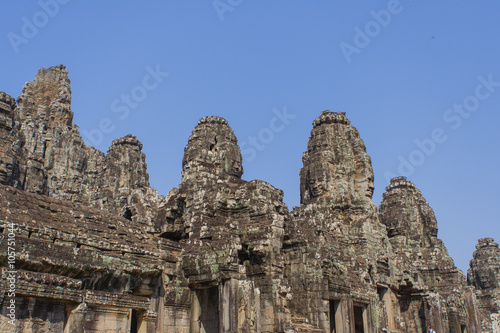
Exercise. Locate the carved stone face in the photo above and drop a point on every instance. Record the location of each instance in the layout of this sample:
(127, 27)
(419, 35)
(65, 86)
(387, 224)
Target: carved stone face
(237, 168)
(369, 188)
(317, 184)
(316, 187)
(6, 170)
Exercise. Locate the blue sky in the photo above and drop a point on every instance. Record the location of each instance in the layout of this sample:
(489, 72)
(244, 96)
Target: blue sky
(419, 79)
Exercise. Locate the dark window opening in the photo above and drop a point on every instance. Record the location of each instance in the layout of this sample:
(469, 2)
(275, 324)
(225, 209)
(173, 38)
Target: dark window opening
(334, 316)
(212, 146)
(247, 254)
(358, 319)
(133, 321)
(209, 306)
(127, 214)
(174, 235)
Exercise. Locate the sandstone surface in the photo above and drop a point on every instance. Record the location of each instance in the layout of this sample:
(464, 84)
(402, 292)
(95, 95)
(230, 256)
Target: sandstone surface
(99, 250)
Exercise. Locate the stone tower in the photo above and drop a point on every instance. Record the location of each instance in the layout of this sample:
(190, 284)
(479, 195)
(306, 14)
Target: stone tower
(335, 240)
(231, 231)
(484, 275)
(336, 166)
(432, 291)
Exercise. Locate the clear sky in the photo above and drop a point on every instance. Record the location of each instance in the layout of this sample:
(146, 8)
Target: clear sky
(420, 79)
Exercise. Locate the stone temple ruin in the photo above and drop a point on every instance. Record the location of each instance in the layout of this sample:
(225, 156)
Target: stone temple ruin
(99, 250)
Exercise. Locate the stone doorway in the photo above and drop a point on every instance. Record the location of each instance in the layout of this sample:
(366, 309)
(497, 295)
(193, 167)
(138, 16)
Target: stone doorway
(134, 325)
(337, 319)
(205, 315)
(359, 319)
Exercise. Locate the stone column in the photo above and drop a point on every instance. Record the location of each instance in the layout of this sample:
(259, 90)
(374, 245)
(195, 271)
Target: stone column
(390, 301)
(146, 322)
(76, 318)
(195, 313)
(228, 306)
(344, 315)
